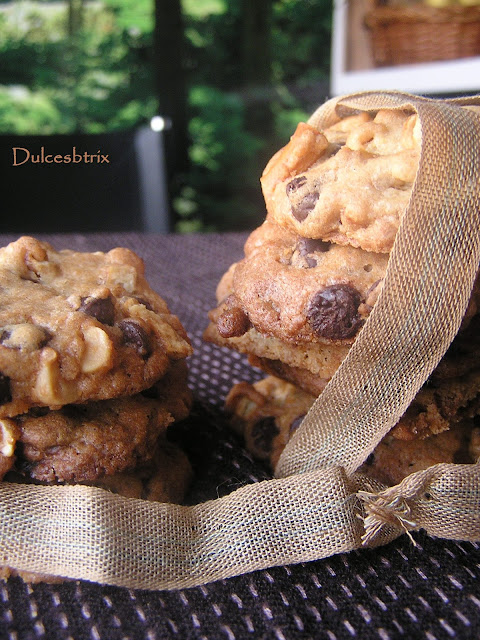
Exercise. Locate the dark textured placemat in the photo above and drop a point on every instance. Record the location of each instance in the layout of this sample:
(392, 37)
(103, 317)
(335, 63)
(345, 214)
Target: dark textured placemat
(431, 590)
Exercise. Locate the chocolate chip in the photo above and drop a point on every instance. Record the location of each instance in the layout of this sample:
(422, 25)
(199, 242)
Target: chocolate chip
(145, 303)
(38, 412)
(306, 246)
(370, 460)
(333, 312)
(43, 342)
(310, 245)
(136, 336)
(296, 423)
(5, 392)
(233, 323)
(295, 184)
(25, 336)
(102, 309)
(301, 210)
(5, 335)
(263, 432)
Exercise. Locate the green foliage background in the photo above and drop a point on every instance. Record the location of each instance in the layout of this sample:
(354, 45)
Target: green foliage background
(87, 66)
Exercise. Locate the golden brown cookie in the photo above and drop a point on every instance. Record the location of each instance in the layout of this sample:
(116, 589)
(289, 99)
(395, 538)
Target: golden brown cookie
(395, 459)
(348, 184)
(266, 414)
(79, 326)
(317, 360)
(300, 377)
(439, 404)
(301, 290)
(294, 306)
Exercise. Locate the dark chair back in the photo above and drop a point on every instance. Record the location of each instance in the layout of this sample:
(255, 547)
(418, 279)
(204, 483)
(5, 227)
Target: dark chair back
(105, 182)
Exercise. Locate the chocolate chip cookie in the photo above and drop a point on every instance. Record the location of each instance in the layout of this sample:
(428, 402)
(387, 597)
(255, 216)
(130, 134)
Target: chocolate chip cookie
(77, 327)
(395, 459)
(295, 305)
(315, 363)
(301, 290)
(91, 441)
(164, 478)
(349, 184)
(268, 412)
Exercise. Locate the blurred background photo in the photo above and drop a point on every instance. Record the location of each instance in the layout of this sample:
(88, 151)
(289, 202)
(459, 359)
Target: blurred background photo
(160, 115)
(173, 106)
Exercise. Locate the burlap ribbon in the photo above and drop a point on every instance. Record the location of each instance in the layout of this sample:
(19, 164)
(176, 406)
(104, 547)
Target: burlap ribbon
(317, 505)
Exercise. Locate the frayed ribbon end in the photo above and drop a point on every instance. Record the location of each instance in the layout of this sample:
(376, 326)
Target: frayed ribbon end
(383, 509)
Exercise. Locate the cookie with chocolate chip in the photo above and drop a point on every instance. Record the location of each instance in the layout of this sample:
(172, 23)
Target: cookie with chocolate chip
(77, 327)
(393, 459)
(300, 290)
(164, 478)
(348, 184)
(266, 414)
(309, 365)
(294, 306)
(269, 412)
(95, 440)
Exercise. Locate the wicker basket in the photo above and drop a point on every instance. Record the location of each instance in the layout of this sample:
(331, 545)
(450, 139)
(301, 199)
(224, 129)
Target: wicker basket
(418, 33)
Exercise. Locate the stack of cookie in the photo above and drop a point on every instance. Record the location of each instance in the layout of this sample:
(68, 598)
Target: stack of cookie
(312, 273)
(92, 372)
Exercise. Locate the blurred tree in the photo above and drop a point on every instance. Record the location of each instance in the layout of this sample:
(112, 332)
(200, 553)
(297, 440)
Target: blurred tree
(257, 64)
(269, 58)
(75, 16)
(96, 74)
(217, 194)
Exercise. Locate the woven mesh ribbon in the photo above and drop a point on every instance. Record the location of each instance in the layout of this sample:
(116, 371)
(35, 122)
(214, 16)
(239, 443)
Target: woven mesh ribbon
(317, 505)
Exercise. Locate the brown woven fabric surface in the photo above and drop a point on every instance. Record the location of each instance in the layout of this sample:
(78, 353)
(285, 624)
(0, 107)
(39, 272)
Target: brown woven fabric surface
(398, 591)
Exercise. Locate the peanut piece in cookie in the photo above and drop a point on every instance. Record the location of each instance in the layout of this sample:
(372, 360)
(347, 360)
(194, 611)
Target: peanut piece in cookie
(98, 353)
(50, 389)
